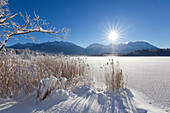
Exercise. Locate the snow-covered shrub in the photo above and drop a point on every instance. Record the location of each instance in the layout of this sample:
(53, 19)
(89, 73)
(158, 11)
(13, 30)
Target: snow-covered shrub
(47, 84)
(114, 76)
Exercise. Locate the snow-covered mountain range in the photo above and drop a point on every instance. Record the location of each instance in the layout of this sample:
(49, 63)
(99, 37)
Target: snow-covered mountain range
(68, 48)
(118, 48)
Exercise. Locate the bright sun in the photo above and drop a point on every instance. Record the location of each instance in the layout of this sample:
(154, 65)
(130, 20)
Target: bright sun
(113, 33)
(112, 36)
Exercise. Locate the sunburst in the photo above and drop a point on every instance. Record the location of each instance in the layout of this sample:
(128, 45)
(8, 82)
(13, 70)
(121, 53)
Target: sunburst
(114, 33)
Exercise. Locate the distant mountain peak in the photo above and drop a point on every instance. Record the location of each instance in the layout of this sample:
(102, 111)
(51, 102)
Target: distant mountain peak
(95, 45)
(141, 41)
(119, 48)
(55, 47)
(69, 48)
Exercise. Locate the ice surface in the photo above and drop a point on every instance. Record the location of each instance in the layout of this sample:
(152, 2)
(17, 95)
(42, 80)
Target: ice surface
(149, 75)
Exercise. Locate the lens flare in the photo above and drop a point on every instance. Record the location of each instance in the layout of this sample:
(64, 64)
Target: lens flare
(114, 33)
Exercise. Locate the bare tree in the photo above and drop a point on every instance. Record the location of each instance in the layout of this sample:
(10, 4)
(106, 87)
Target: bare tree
(10, 28)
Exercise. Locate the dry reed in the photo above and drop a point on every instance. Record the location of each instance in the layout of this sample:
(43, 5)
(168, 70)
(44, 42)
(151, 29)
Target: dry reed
(114, 76)
(18, 74)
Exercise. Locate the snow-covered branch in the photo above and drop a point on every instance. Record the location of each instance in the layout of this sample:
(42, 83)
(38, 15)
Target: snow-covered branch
(12, 28)
(3, 20)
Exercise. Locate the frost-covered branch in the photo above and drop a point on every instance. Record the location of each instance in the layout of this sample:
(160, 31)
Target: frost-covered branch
(3, 20)
(12, 28)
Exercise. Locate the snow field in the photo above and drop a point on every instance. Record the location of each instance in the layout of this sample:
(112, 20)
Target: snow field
(86, 99)
(148, 75)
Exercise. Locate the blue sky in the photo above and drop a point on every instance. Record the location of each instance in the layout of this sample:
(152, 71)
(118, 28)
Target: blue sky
(143, 19)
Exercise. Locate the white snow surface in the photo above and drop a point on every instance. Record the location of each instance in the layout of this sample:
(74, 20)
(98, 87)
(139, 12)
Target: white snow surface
(79, 100)
(148, 91)
(148, 75)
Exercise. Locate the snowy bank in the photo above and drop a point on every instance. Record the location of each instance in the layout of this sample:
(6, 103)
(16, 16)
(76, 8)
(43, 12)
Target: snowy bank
(82, 100)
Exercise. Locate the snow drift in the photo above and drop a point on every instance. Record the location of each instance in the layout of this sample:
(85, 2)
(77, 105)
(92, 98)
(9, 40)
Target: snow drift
(80, 100)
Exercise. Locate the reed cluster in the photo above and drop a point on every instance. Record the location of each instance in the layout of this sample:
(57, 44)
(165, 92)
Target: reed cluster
(114, 76)
(26, 74)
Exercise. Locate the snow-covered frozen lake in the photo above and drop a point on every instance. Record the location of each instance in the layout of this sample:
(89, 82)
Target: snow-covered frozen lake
(148, 81)
(148, 75)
